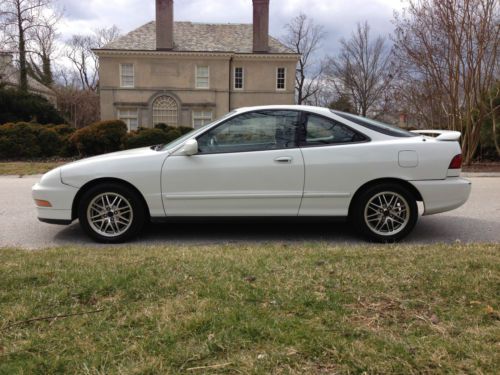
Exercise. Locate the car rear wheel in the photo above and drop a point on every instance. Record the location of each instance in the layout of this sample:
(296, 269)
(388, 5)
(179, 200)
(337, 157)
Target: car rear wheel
(111, 213)
(385, 213)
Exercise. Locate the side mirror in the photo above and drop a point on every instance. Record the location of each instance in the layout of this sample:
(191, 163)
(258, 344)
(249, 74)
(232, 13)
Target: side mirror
(189, 148)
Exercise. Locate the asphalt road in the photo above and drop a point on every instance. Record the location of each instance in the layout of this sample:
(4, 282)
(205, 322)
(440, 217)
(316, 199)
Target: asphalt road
(477, 221)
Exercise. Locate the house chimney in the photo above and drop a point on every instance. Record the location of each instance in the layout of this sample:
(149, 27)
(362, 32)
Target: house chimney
(260, 26)
(164, 24)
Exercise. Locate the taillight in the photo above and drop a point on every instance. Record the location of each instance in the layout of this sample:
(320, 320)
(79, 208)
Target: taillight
(456, 162)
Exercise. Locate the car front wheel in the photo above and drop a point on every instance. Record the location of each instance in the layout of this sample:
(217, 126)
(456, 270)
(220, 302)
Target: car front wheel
(111, 213)
(385, 213)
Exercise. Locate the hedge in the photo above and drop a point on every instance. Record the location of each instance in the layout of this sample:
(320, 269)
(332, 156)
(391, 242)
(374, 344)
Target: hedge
(16, 106)
(161, 134)
(29, 140)
(26, 140)
(145, 137)
(64, 132)
(99, 138)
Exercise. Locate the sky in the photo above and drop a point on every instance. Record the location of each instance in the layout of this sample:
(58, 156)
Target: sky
(338, 17)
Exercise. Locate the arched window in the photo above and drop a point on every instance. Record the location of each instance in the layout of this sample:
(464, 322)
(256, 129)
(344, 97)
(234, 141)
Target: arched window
(165, 111)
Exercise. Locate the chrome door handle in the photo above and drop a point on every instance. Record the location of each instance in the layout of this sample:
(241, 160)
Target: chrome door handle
(283, 159)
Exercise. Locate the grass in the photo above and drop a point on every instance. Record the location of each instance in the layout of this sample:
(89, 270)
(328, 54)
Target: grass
(251, 309)
(22, 168)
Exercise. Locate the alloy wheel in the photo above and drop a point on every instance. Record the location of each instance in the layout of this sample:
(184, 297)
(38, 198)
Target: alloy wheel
(110, 214)
(387, 213)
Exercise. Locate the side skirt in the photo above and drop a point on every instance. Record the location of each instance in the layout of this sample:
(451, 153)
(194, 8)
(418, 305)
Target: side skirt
(232, 219)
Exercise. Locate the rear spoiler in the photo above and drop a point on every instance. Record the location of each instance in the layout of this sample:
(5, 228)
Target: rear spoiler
(440, 135)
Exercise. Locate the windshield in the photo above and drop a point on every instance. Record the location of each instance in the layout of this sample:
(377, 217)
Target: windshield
(185, 137)
(375, 125)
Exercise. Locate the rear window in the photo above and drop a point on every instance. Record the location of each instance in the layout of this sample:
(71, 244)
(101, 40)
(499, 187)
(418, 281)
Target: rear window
(377, 126)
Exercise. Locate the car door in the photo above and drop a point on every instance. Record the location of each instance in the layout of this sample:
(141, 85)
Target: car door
(337, 158)
(249, 165)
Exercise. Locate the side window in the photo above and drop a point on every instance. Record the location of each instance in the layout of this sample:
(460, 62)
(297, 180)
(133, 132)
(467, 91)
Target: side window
(323, 131)
(254, 131)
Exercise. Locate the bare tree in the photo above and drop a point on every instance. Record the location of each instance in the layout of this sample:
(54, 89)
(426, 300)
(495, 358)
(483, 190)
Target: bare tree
(18, 20)
(83, 59)
(44, 51)
(494, 107)
(362, 70)
(105, 36)
(66, 76)
(78, 107)
(79, 52)
(304, 38)
(449, 48)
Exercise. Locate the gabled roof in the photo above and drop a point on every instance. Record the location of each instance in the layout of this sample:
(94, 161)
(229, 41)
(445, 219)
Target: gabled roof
(9, 75)
(197, 37)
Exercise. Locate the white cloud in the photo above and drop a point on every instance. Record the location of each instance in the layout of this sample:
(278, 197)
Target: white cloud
(339, 17)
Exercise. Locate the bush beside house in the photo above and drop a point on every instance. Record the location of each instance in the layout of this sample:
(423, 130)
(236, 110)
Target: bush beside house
(161, 134)
(16, 106)
(144, 137)
(25, 140)
(99, 138)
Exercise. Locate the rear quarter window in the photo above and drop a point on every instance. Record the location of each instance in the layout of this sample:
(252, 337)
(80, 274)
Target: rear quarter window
(377, 126)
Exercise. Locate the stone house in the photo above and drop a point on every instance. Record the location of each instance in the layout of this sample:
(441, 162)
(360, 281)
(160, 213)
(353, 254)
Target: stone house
(188, 74)
(10, 76)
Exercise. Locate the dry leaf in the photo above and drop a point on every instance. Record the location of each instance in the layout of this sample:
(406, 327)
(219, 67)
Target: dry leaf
(434, 319)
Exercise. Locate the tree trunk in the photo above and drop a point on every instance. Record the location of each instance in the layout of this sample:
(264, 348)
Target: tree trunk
(494, 124)
(23, 65)
(47, 79)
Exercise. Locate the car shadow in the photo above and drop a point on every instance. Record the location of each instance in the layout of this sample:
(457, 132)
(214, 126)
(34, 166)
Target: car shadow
(432, 229)
(254, 230)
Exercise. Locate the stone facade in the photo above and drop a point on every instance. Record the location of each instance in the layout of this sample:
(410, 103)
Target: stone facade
(144, 83)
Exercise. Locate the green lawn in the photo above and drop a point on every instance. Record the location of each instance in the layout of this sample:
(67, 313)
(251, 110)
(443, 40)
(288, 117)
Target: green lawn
(257, 309)
(22, 168)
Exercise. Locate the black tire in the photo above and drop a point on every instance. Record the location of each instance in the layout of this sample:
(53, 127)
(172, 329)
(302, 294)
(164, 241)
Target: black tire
(360, 207)
(136, 219)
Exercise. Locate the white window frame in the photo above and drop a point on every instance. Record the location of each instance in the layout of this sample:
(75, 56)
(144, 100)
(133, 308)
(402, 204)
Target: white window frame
(126, 119)
(165, 113)
(121, 76)
(197, 86)
(284, 79)
(242, 78)
(201, 116)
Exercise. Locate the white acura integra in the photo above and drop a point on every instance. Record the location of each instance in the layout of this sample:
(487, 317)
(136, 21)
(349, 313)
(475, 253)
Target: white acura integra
(264, 161)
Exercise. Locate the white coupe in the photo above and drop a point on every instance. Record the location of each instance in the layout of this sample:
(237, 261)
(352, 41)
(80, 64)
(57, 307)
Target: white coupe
(264, 161)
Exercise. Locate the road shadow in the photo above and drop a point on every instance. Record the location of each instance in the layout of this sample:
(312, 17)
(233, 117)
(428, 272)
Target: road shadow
(440, 228)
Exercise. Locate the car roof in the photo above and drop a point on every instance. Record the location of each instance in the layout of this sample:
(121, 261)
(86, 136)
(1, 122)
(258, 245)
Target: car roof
(308, 108)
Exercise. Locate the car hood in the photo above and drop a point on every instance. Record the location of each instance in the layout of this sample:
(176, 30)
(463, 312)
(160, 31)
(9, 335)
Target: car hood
(117, 154)
(116, 164)
(113, 156)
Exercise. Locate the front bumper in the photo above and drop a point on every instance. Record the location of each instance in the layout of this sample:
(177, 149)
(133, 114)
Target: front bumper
(443, 195)
(55, 221)
(60, 196)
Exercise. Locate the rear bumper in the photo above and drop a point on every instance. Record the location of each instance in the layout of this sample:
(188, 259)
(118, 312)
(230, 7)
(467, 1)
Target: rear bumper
(443, 195)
